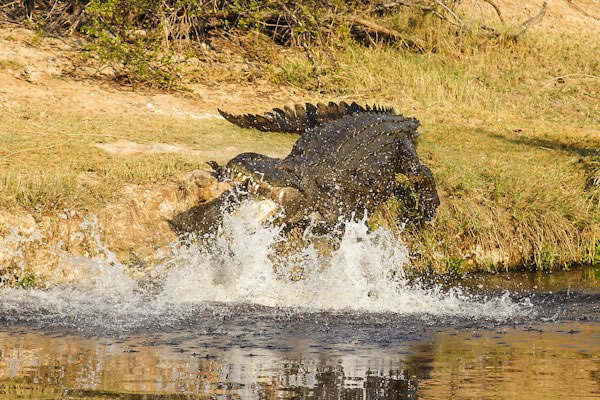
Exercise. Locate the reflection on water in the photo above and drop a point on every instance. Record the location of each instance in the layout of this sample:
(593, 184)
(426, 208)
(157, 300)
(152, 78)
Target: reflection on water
(583, 278)
(539, 362)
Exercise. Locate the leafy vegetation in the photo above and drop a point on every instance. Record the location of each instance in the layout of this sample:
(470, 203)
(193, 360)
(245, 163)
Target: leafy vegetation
(148, 41)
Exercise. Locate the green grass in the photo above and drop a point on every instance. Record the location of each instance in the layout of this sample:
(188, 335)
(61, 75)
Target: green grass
(551, 75)
(10, 64)
(510, 199)
(511, 131)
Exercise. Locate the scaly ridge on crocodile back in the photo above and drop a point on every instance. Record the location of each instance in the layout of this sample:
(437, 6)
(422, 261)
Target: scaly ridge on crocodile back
(300, 118)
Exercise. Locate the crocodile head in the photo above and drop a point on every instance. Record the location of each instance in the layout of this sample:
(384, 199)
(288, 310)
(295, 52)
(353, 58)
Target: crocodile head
(263, 178)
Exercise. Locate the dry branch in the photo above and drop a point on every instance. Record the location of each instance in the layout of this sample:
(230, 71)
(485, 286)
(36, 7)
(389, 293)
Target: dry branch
(458, 22)
(373, 27)
(531, 21)
(426, 7)
(496, 8)
(581, 10)
(524, 27)
(281, 20)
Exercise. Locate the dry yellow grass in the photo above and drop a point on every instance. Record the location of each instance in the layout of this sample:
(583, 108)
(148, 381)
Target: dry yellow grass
(511, 130)
(48, 160)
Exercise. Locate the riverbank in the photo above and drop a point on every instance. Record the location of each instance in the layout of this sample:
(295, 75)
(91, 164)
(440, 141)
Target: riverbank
(511, 132)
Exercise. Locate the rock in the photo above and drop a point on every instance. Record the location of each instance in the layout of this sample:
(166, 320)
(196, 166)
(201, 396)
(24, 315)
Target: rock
(204, 185)
(134, 227)
(137, 225)
(30, 74)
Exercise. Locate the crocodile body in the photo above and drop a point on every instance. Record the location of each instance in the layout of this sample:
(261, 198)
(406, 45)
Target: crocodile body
(345, 162)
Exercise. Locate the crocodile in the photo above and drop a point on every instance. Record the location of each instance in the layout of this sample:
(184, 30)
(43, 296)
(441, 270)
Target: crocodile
(345, 163)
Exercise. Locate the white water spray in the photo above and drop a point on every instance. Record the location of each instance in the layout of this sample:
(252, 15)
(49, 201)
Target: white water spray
(365, 273)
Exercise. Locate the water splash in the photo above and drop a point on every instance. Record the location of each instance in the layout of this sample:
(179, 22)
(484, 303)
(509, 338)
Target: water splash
(13, 249)
(365, 273)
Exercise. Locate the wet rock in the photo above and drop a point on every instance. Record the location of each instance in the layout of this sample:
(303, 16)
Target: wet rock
(203, 185)
(134, 227)
(28, 246)
(137, 225)
(16, 236)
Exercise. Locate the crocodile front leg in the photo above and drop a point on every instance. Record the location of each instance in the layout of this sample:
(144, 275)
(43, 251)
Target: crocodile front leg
(422, 180)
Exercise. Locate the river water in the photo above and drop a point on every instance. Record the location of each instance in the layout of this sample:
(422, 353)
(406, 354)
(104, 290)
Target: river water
(229, 319)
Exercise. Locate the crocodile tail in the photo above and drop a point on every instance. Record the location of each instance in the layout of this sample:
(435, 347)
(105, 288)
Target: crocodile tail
(299, 118)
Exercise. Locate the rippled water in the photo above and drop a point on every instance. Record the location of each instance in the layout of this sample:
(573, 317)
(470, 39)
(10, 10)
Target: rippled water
(264, 361)
(229, 320)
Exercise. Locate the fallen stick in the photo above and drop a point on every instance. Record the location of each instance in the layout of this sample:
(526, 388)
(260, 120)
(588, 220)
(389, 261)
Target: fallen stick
(531, 21)
(376, 28)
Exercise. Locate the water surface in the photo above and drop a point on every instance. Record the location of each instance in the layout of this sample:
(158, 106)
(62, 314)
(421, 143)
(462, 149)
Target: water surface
(227, 319)
(544, 361)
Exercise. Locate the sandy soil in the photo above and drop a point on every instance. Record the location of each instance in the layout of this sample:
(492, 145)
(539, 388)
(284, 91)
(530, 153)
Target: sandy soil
(50, 74)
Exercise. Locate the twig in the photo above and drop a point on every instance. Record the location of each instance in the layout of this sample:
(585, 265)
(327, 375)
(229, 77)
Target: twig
(588, 76)
(75, 23)
(9, 5)
(30, 149)
(374, 27)
(531, 21)
(493, 33)
(445, 7)
(289, 13)
(563, 77)
(4, 21)
(315, 69)
(491, 3)
(29, 6)
(577, 8)
(394, 4)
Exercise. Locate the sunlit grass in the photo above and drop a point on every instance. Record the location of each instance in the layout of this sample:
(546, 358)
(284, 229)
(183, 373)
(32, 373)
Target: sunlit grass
(554, 75)
(48, 160)
(510, 198)
(511, 130)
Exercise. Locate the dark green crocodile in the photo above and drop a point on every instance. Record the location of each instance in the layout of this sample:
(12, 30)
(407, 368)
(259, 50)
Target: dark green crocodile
(346, 162)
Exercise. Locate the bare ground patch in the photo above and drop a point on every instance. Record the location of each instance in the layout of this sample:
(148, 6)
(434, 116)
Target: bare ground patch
(50, 74)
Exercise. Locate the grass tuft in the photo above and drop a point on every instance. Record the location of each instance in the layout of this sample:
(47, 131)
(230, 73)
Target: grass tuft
(10, 64)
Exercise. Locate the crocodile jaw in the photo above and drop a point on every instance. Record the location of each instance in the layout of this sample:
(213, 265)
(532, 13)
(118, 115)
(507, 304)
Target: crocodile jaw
(270, 200)
(264, 210)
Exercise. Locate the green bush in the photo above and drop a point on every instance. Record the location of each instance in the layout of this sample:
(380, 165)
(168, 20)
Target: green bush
(126, 35)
